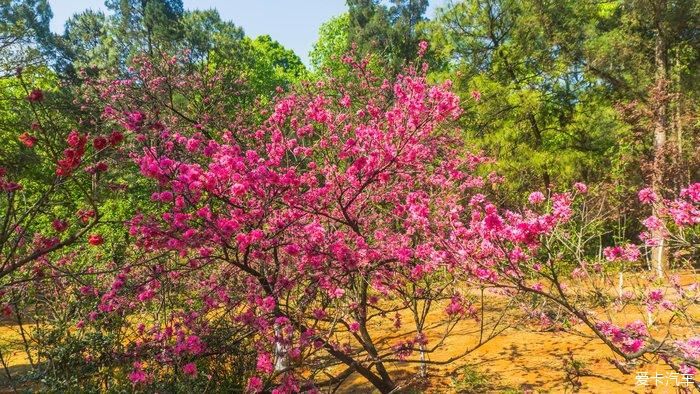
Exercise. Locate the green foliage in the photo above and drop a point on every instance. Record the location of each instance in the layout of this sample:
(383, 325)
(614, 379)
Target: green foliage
(388, 31)
(552, 76)
(147, 24)
(271, 65)
(470, 380)
(547, 110)
(108, 43)
(24, 32)
(86, 42)
(210, 39)
(332, 43)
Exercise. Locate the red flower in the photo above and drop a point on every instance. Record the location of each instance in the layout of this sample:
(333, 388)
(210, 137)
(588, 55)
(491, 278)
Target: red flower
(75, 139)
(99, 143)
(35, 96)
(115, 138)
(86, 215)
(27, 139)
(6, 310)
(59, 225)
(95, 239)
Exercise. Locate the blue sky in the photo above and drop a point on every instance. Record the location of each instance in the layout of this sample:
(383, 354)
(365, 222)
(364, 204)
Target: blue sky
(294, 23)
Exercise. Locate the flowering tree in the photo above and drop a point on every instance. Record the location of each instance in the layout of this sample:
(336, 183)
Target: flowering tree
(63, 167)
(559, 270)
(54, 182)
(303, 231)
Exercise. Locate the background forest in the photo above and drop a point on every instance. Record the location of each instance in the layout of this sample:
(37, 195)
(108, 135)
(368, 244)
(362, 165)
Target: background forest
(547, 94)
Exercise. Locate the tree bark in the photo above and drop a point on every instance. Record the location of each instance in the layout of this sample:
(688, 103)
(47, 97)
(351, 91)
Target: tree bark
(281, 351)
(660, 107)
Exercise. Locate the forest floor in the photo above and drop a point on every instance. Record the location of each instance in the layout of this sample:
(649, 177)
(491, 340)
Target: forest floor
(527, 359)
(522, 359)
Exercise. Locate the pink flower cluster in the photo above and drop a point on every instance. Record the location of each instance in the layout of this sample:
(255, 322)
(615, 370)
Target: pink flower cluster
(682, 212)
(627, 252)
(630, 338)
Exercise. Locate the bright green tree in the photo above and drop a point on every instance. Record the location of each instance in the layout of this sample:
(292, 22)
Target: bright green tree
(332, 43)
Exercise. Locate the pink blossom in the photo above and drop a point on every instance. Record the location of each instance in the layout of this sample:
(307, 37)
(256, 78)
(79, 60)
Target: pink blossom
(612, 253)
(561, 206)
(652, 223)
(455, 307)
(536, 198)
(581, 187)
(684, 213)
(337, 292)
(647, 196)
(655, 296)
(146, 295)
(268, 304)
(403, 349)
(264, 363)
(690, 347)
(255, 385)
(422, 48)
(686, 369)
(134, 120)
(618, 253)
(194, 345)
(476, 95)
(138, 375)
(631, 253)
(632, 345)
(578, 273)
(692, 192)
(638, 328)
(190, 369)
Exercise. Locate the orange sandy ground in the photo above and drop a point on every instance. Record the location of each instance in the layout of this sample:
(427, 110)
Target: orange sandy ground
(522, 359)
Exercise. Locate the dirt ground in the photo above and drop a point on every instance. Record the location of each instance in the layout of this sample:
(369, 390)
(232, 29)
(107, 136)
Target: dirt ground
(526, 359)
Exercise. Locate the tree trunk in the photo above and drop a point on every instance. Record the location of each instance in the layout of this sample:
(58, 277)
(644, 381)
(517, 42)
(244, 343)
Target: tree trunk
(677, 113)
(660, 126)
(620, 284)
(423, 370)
(281, 350)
